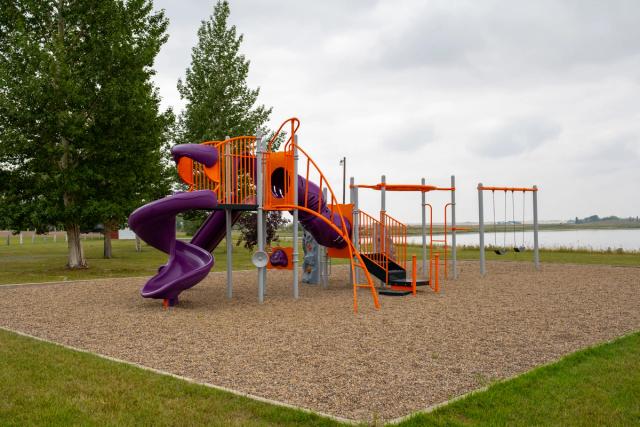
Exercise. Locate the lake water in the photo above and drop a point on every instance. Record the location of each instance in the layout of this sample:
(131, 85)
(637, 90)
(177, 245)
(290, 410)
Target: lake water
(628, 239)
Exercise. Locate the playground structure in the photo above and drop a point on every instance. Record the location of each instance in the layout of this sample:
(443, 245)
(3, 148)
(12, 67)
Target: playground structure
(246, 173)
(503, 250)
(384, 240)
(243, 174)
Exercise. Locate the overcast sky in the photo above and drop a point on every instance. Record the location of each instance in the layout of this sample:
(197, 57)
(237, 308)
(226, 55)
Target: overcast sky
(501, 92)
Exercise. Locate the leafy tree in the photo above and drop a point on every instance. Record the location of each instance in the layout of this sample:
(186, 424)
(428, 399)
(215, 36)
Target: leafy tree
(249, 233)
(219, 102)
(70, 74)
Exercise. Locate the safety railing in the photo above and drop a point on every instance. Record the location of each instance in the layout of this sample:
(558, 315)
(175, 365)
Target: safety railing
(233, 176)
(369, 241)
(395, 239)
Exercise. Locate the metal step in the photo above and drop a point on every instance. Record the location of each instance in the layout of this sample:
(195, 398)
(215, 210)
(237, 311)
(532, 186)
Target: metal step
(407, 282)
(393, 292)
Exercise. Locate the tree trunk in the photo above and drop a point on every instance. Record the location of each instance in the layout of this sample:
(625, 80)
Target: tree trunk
(107, 240)
(76, 253)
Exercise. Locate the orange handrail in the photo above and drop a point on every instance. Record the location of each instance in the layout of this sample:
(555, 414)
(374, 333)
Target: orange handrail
(354, 254)
(295, 124)
(396, 234)
(430, 244)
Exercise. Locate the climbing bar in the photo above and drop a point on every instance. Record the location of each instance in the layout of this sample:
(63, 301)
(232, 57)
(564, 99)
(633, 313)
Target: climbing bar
(507, 189)
(404, 187)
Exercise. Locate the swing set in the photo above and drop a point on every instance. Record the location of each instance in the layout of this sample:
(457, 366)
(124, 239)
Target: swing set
(502, 250)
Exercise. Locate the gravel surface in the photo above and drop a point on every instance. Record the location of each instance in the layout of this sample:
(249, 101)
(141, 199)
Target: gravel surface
(316, 353)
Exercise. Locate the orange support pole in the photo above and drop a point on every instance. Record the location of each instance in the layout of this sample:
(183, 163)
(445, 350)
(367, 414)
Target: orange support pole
(414, 267)
(437, 263)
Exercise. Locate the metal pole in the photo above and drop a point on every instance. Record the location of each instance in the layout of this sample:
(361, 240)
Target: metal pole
(356, 224)
(483, 269)
(383, 208)
(295, 217)
(324, 260)
(536, 253)
(354, 232)
(344, 177)
(228, 238)
(260, 213)
(227, 217)
(453, 228)
(424, 230)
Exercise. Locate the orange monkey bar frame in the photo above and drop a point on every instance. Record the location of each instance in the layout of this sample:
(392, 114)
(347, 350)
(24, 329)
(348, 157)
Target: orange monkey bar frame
(507, 188)
(422, 188)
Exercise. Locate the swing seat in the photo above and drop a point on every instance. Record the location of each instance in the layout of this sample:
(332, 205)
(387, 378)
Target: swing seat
(500, 251)
(520, 249)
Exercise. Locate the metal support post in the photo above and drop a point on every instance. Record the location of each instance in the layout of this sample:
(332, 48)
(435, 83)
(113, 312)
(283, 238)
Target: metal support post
(536, 254)
(453, 228)
(324, 259)
(260, 214)
(227, 217)
(356, 227)
(424, 230)
(483, 268)
(295, 217)
(383, 209)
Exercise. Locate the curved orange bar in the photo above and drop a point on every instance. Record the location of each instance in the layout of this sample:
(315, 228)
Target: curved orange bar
(295, 124)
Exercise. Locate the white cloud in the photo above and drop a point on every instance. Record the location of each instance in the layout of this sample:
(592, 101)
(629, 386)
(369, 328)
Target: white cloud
(504, 92)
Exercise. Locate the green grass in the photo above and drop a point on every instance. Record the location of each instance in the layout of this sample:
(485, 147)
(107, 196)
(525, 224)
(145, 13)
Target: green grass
(597, 386)
(45, 261)
(45, 384)
(562, 256)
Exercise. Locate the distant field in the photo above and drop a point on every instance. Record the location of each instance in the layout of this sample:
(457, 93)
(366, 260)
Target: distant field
(44, 261)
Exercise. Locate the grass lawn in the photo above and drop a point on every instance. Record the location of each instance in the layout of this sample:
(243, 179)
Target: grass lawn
(45, 261)
(45, 384)
(597, 386)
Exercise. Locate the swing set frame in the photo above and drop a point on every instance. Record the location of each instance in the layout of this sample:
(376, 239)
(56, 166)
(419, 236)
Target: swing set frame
(534, 191)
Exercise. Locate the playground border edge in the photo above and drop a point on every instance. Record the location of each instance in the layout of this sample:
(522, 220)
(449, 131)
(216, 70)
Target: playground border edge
(433, 407)
(189, 380)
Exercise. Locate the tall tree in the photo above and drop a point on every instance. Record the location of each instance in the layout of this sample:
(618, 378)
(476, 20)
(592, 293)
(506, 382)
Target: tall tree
(130, 159)
(59, 63)
(219, 102)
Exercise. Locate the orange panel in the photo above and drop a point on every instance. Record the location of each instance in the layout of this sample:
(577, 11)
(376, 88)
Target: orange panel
(274, 161)
(185, 170)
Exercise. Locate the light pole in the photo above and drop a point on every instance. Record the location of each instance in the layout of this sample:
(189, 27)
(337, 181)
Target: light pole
(343, 163)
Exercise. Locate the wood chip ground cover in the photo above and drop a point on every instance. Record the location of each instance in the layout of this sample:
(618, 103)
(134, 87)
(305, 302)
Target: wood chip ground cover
(316, 353)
